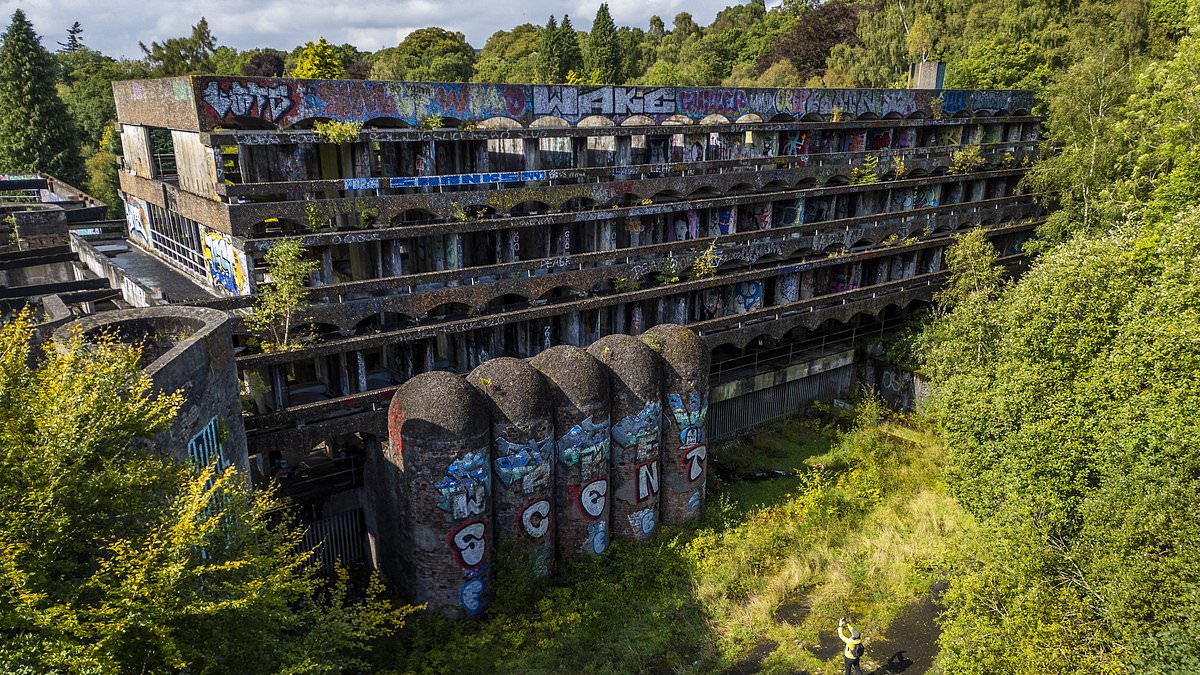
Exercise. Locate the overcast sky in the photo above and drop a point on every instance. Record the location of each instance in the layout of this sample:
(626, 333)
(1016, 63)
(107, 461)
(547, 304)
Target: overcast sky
(115, 26)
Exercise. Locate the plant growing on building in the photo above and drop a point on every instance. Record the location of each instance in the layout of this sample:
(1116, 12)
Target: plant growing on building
(966, 160)
(432, 123)
(936, 105)
(338, 132)
(315, 216)
(837, 114)
(867, 172)
(1009, 160)
(278, 309)
(899, 166)
(670, 271)
(705, 264)
(625, 284)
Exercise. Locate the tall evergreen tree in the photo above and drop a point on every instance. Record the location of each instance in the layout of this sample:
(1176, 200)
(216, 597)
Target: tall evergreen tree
(549, 65)
(603, 54)
(73, 43)
(570, 56)
(36, 133)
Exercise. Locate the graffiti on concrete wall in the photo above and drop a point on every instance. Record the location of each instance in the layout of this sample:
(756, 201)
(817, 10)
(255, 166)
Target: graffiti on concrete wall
(137, 217)
(527, 464)
(464, 490)
(690, 414)
(723, 220)
(787, 288)
(744, 297)
(641, 431)
(226, 265)
(585, 443)
(283, 102)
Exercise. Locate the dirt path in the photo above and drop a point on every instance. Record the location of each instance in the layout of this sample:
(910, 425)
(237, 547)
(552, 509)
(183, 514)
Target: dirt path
(910, 643)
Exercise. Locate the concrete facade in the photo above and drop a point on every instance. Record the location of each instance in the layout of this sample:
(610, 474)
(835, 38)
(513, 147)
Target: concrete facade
(465, 224)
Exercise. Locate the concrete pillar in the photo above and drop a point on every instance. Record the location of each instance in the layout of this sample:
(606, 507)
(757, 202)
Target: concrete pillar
(394, 258)
(579, 146)
(326, 265)
(523, 460)
(635, 389)
(343, 374)
(624, 146)
(429, 495)
(684, 362)
(579, 392)
(361, 364)
(533, 153)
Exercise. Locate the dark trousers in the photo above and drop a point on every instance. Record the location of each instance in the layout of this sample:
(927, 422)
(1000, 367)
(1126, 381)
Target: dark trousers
(851, 663)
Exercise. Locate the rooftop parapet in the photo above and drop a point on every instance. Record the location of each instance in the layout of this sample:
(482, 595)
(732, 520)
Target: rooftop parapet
(205, 103)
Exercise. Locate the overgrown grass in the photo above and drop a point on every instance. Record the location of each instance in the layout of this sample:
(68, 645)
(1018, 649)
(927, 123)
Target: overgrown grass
(858, 526)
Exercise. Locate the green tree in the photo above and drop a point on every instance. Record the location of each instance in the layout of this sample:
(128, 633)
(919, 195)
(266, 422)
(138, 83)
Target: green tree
(426, 55)
(114, 558)
(74, 42)
(549, 60)
(183, 55)
(511, 56)
(36, 133)
(318, 61)
(103, 173)
(278, 309)
(570, 56)
(603, 55)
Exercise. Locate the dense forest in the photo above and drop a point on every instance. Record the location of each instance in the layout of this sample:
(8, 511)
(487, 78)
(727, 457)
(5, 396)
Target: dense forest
(1068, 400)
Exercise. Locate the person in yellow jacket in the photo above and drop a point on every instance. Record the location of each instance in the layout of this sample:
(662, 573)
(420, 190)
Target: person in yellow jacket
(854, 646)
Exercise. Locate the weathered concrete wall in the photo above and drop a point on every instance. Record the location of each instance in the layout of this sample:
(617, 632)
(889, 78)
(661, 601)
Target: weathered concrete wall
(132, 289)
(190, 350)
(437, 545)
(181, 103)
(519, 452)
(523, 463)
(685, 365)
(635, 383)
(580, 396)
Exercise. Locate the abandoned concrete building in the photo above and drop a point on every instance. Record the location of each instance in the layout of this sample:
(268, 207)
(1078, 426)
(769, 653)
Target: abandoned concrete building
(458, 223)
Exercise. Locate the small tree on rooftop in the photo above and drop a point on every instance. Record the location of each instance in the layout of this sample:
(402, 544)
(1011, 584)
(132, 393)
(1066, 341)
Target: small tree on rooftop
(318, 61)
(36, 132)
(278, 309)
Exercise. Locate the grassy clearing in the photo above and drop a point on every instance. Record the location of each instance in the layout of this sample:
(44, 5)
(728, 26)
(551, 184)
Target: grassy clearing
(859, 525)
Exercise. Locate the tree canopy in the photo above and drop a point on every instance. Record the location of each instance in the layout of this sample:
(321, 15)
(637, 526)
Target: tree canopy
(426, 55)
(114, 558)
(36, 132)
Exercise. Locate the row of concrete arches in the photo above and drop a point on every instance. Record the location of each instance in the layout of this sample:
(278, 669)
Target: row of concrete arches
(246, 123)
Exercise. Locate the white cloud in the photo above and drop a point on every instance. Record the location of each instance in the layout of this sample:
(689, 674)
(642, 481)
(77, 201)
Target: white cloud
(116, 26)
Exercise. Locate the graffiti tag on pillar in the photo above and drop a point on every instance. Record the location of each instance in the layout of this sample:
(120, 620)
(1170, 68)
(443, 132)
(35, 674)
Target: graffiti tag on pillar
(471, 596)
(536, 519)
(464, 490)
(647, 480)
(527, 463)
(593, 497)
(642, 521)
(693, 459)
(469, 544)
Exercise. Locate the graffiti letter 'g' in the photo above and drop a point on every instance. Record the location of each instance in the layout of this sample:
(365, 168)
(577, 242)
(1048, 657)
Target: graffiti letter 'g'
(592, 497)
(694, 459)
(469, 544)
